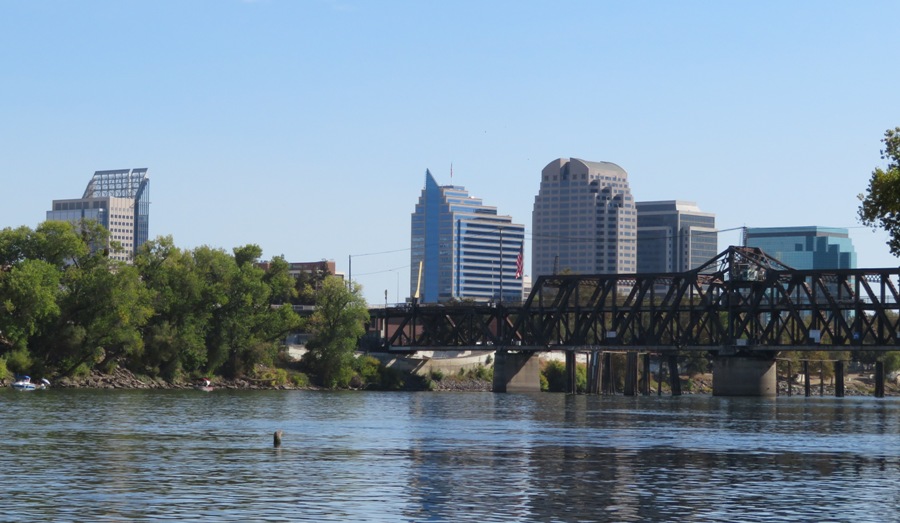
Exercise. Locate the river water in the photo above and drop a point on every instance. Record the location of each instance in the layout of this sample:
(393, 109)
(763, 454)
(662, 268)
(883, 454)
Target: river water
(88, 455)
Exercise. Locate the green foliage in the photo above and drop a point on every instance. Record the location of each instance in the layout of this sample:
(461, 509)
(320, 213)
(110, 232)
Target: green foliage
(437, 374)
(335, 326)
(553, 377)
(483, 373)
(891, 361)
(4, 370)
(369, 371)
(693, 363)
(69, 308)
(273, 377)
(299, 379)
(29, 294)
(880, 207)
(19, 361)
(554, 372)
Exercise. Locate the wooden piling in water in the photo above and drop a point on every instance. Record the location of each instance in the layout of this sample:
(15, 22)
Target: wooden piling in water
(821, 378)
(659, 377)
(607, 375)
(790, 380)
(631, 373)
(571, 385)
(674, 379)
(645, 373)
(838, 379)
(879, 379)
(806, 384)
(278, 434)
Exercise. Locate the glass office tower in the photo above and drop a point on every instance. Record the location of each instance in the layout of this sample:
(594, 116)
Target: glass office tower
(674, 236)
(809, 247)
(465, 249)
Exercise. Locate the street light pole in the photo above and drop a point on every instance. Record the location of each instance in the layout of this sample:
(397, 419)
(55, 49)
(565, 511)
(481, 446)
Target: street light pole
(501, 265)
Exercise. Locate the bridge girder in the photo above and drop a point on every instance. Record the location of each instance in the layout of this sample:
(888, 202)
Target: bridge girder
(740, 298)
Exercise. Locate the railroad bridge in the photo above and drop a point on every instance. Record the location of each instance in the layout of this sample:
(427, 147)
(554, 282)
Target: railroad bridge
(743, 307)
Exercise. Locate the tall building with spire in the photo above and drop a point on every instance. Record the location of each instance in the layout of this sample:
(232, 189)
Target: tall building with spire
(462, 249)
(584, 220)
(118, 200)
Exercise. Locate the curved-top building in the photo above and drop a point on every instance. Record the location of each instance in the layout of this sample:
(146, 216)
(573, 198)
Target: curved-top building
(584, 220)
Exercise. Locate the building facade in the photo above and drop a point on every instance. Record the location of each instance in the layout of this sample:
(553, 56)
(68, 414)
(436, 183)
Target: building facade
(118, 200)
(462, 249)
(674, 236)
(584, 220)
(810, 247)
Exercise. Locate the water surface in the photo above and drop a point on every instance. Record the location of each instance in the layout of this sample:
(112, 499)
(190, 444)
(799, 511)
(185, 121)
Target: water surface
(84, 455)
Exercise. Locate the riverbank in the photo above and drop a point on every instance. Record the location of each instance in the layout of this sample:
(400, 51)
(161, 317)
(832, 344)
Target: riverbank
(856, 385)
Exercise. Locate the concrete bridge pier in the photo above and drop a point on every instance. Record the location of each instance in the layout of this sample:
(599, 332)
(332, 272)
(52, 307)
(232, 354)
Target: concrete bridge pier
(516, 372)
(742, 375)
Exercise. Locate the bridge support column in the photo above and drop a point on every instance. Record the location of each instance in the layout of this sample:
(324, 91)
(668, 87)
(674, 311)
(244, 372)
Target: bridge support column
(571, 373)
(516, 372)
(645, 374)
(593, 372)
(839, 379)
(744, 376)
(631, 372)
(674, 376)
(879, 379)
(607, 375)
(806, 384)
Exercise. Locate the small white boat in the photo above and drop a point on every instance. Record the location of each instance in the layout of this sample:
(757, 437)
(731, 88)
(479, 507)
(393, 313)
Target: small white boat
(204, 385)
(25, 383)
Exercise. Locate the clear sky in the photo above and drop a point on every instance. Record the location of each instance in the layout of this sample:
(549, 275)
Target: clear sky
(306, 126)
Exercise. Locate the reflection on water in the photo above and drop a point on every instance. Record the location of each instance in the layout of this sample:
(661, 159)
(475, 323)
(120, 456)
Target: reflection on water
(77, 455)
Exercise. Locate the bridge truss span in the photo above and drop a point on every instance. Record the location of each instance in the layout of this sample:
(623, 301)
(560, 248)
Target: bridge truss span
(741, 300)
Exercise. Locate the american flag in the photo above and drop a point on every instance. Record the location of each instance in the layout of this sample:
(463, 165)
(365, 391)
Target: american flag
(520, 263)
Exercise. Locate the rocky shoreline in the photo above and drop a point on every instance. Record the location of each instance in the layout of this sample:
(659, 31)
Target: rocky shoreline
(124, 379)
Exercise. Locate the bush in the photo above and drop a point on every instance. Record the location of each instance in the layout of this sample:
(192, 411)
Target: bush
(437, 374)
(273, 377)
(299, 379)
(554, 373)
(4, 371)
(18, 361)
(368, 370)
(891, 361)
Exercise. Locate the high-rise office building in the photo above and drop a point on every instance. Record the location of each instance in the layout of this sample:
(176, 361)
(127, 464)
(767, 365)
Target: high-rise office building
(466, 250)
(584, 220)
(120, 201)
(674, 236)
(808, 247)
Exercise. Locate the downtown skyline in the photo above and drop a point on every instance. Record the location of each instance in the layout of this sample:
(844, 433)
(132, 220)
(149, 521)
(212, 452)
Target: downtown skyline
(305, 127)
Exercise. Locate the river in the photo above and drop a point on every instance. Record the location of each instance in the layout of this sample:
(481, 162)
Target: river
(169, 455)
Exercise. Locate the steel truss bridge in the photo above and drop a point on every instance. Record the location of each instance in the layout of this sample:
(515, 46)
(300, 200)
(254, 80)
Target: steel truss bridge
(741, 301)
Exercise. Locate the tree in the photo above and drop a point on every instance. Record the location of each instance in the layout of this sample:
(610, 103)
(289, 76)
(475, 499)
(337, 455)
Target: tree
(336, 326)
(175, 336)
(880, 206)
(28, 301)
(244, 325)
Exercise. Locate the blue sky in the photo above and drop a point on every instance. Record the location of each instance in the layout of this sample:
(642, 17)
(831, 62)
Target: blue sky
(306, 126)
